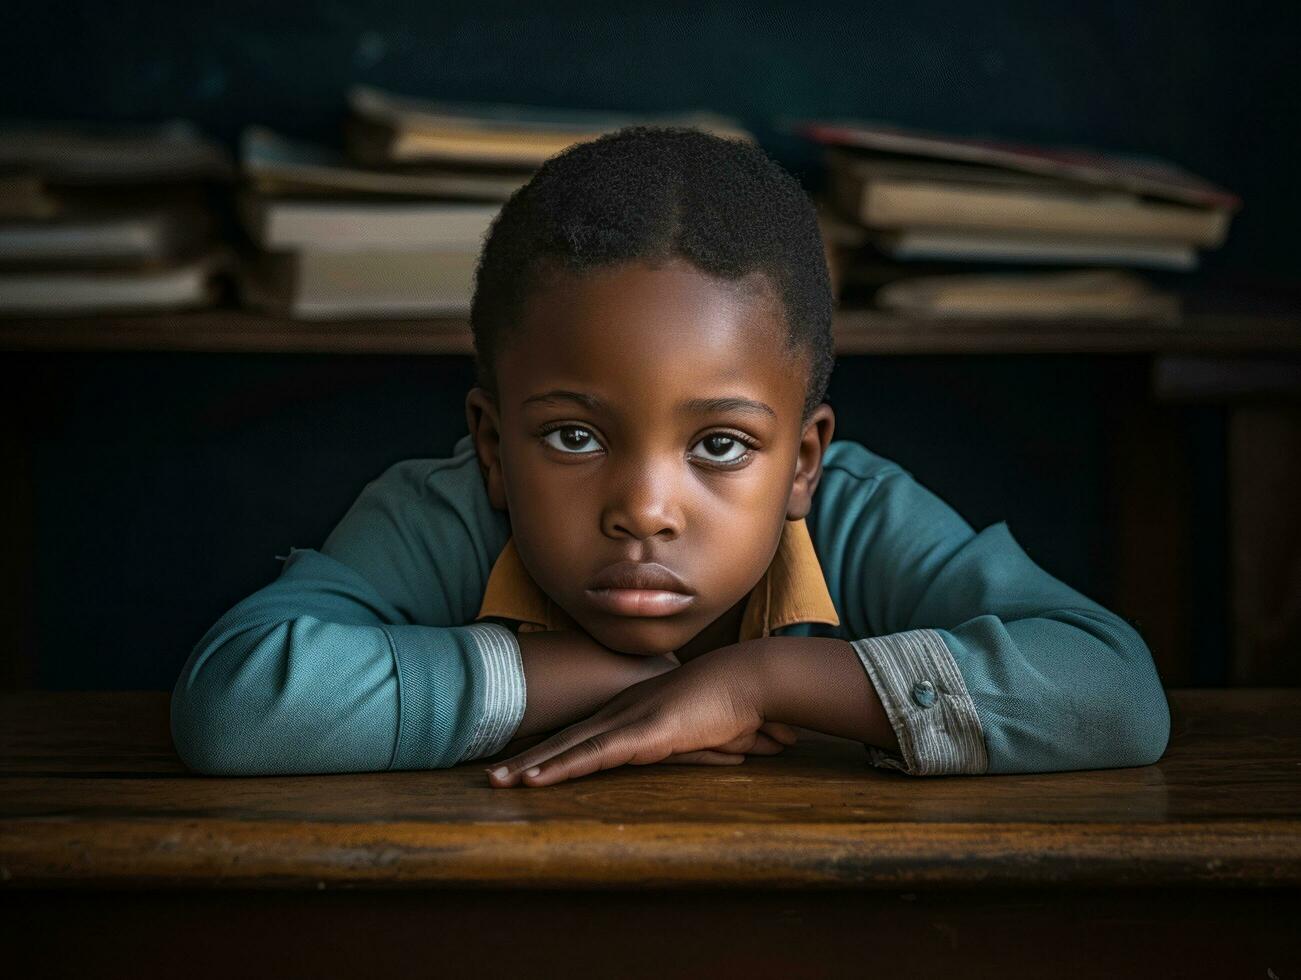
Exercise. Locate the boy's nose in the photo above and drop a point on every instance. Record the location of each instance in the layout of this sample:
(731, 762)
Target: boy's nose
(643, 506)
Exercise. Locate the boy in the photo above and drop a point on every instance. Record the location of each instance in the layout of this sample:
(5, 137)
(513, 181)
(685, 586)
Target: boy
(648, 543)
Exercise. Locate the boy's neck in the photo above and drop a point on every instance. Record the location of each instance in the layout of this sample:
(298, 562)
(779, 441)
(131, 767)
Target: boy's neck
(720, 633)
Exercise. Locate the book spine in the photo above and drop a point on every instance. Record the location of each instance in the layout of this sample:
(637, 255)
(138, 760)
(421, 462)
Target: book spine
(887, 204)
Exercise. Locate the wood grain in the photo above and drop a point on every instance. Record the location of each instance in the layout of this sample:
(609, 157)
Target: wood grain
(92, 794)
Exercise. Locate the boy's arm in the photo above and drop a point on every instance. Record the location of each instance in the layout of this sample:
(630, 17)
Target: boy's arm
(981, 661)
(569, 675)
(819, 683)
(363, 656)
(318, 673)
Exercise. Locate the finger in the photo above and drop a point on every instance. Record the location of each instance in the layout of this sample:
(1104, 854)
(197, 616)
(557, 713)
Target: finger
(780, 731)
(705, 757)
(633, 745)
(507, 771)
(764, 745)
(752, 743)
(513, 748)
(741, 743)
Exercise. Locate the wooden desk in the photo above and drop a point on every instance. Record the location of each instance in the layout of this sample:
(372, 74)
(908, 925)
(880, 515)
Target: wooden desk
(114, 859)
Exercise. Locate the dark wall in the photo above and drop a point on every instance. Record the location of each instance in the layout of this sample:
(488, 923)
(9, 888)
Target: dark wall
(1207, 84)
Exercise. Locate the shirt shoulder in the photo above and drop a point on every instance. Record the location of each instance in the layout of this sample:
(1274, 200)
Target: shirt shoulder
(433, 490)
(455, 475)
(869, 494)
(425, 533)
(846, 459)
(842, 505)
(869, 516)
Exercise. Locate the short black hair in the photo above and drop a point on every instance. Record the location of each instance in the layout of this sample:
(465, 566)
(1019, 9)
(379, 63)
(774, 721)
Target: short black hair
(653, 193)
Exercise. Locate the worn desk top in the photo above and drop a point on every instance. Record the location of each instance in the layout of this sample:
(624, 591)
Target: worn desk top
(92, 795)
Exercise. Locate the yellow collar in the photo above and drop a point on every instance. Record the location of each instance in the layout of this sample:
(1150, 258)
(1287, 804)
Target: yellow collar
(792, 590)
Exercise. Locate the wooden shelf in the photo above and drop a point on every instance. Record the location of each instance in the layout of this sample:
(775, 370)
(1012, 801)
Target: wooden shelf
(871, 332)
(858, 331)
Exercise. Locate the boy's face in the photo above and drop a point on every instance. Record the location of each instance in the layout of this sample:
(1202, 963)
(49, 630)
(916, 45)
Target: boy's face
(631, 466)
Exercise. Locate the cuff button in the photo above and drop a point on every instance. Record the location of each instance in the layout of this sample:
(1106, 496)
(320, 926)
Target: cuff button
(924, 693)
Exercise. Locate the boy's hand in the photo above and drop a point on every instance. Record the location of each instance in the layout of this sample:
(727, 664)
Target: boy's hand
(707, 711)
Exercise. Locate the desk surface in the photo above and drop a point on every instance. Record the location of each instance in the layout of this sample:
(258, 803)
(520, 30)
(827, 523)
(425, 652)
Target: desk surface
(92, 794)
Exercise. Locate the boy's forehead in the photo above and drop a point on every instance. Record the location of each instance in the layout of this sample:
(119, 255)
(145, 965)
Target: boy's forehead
(652, 333)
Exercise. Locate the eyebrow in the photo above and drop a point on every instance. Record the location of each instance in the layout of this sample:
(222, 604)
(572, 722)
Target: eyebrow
(707, 405)
(697, 405)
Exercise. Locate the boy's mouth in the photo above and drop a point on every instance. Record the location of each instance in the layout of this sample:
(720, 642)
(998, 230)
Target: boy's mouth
(639, 589)
(640, 602)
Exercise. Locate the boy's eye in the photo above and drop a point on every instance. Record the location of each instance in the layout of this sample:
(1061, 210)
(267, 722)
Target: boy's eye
(570, 439)
(574, 440)
(721, 448)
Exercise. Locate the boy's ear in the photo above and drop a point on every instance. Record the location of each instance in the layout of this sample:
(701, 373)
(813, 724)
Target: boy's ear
(808, 463)
(485, 428)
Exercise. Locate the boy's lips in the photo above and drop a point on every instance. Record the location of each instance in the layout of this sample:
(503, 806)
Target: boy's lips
(639, 589)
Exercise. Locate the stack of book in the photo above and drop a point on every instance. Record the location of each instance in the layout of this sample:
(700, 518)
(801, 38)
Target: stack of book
(392, 225)
(937, 202)
(97, 219)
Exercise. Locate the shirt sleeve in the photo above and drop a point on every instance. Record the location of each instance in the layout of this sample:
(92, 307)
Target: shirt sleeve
(358, 657)
(983, 661)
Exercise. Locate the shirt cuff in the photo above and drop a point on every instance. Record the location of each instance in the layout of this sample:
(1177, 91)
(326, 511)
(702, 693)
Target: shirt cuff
(504, 693)
(926, 700)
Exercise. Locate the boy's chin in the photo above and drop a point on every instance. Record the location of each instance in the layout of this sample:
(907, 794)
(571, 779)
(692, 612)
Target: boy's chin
(638, 639)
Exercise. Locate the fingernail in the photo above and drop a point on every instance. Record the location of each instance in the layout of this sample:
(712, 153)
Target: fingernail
(534, 771)
(500, 772)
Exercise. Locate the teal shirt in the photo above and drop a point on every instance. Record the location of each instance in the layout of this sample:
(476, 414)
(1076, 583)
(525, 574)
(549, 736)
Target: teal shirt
(364, 655)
